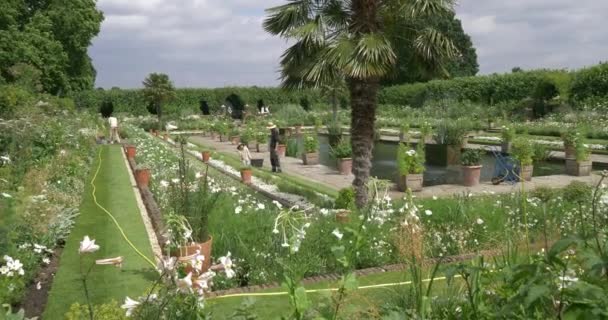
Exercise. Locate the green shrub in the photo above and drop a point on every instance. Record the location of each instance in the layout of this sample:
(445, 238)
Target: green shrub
(507, 133)
(311, 144)
(410, 161)
(11, 98)
(589, 83)
(345, 199)
(471, 157)
(291, 115)
(108, 311)
(452, 133)
(523, 151)
(577, 192)
(107, 108)
(343, 150)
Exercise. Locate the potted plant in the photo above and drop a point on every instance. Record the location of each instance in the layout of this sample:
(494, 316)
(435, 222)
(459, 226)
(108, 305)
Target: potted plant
(426, 132)
(507, 135)
(131, 151)
(223, 129)
(571, 138)
(450, 138)
(523, 151)
(261, 140)
(282, 145)
(206, 155)
(581, 164)
(246, 174)
(191, 202)
(404, 132)
(344, 203)
(343, 153)
(310, 156)
(334, 133)
(471, 167)
(142, 175)
(410, 164)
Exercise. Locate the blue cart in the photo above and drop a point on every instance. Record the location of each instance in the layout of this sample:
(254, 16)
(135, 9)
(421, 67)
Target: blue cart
(506, 168)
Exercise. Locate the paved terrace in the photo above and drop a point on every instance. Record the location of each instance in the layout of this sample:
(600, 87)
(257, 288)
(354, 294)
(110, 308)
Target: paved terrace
(331, 178)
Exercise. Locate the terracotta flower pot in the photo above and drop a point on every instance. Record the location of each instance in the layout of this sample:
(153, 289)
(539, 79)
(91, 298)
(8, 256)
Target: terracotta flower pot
(310, 159)
(281, 148)
(345, 166)
(343, 216)
(200, 248)
(471, 175)
(235, 140)
(410, 181)
(131, 151)
(142, 176)
(246, 175)
(206, 156)
(578, 168)
(525, 172)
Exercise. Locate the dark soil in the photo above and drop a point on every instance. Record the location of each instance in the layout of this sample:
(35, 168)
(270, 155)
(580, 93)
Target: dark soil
(35, 299)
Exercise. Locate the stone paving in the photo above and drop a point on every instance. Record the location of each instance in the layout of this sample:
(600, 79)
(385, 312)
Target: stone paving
(331, 178)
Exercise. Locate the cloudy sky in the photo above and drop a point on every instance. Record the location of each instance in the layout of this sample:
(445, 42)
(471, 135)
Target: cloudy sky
(214, 43)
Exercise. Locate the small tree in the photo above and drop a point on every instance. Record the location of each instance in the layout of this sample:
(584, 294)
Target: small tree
(107, 108)
(158, 89)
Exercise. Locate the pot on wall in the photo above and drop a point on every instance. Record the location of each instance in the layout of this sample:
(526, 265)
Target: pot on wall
(345, 166)
(410, 181)
(471, 175)
(578, 168)
(311, 158)
(142, 176)
(131, 151)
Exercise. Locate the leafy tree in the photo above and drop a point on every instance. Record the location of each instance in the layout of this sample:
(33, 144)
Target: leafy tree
(237, 104)
(353, 39)
(410, 68)
(158, 89)
(53, 36)
(204, 106)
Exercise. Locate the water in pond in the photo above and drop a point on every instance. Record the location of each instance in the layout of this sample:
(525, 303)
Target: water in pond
(384, 165)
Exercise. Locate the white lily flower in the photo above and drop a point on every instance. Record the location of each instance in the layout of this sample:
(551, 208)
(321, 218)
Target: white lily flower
(338, 234)
(226, 263)
(185, 284)
(87, 246)
(6, 195)
(479, 221)
(130, 305)
(428, 212)
(164, 183)
(117, 262)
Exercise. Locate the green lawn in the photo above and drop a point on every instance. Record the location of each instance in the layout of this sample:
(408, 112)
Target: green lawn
(106, 283)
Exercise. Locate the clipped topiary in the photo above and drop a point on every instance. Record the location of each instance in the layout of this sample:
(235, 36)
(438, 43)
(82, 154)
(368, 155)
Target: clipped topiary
(107, 108)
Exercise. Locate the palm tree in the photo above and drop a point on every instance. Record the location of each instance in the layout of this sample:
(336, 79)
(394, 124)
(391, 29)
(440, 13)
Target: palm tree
(350, 39)
(158, 89)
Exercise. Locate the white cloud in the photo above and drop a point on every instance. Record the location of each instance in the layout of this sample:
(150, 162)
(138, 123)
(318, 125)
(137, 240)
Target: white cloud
(215, 42)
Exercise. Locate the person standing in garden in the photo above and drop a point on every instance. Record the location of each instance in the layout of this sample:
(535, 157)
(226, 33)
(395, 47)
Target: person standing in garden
(113, 129)
(245, 154)
(274, 142)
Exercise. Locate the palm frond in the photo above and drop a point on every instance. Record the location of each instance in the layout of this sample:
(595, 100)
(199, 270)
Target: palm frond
(281, 20)
(426, 8)
(373, 57)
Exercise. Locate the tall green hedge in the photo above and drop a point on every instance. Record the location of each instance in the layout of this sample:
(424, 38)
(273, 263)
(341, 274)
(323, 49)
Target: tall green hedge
(489, 89)
(590, 83)
(187, 100)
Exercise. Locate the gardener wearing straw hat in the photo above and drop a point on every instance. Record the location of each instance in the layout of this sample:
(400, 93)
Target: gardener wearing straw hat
(274, 142)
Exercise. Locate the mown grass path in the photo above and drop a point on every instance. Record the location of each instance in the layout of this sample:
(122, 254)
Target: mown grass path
(106, 283)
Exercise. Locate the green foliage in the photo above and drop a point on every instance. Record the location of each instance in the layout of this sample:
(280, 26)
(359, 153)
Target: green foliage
(410, 161)
(106, 311)
(305, 103)
(451, 132)
(542, 152)
(523, 151)
(158, 89)
(471, 157)
(590, 83)
(345, 199)
(577, 192)
(311, 144)
(343, 150)
(507, 133)
(11, 99)
(571, 136)
(582, 152)
(293, 115)
(130, 100)
(52, 37)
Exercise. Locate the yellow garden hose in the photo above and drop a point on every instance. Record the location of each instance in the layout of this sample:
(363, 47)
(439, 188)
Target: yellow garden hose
(93, 193)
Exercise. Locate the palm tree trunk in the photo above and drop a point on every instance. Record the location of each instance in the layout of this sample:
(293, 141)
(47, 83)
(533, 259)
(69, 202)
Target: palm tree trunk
(363, 95)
